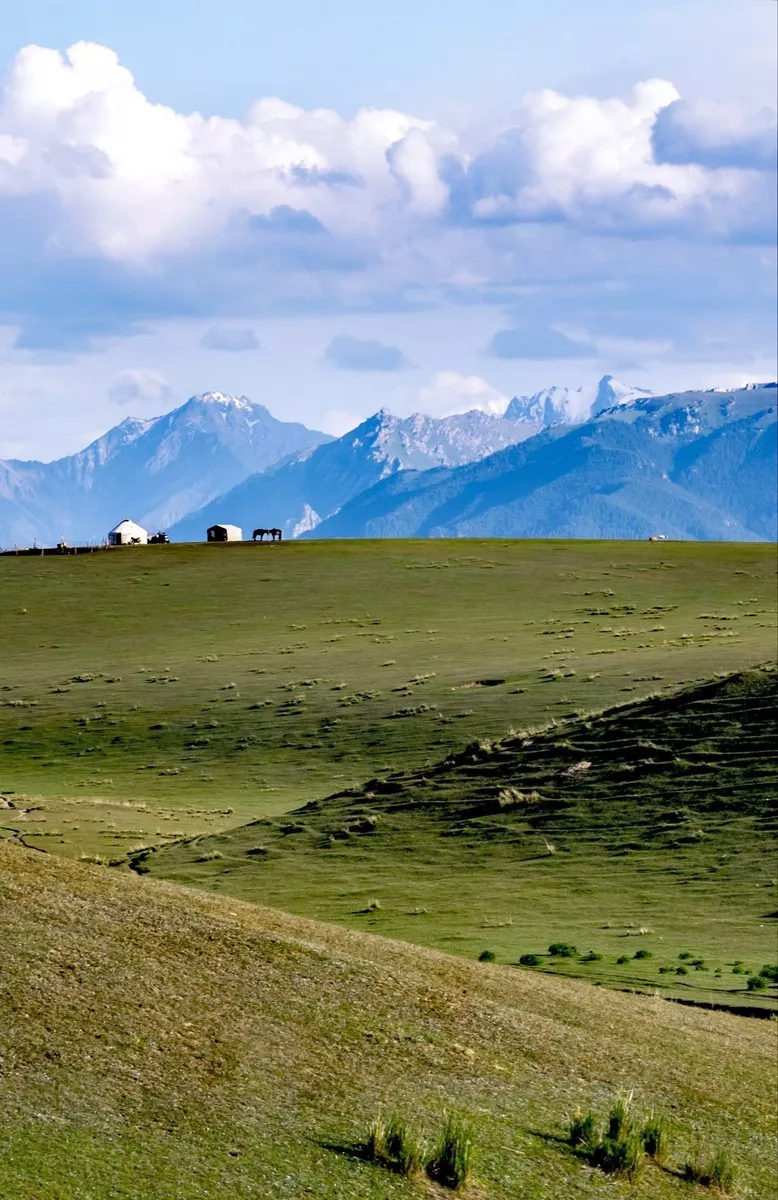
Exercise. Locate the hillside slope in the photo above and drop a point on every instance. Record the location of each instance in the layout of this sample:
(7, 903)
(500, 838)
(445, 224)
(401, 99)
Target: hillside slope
(699, 465)
(657, 815)
(162, 1043)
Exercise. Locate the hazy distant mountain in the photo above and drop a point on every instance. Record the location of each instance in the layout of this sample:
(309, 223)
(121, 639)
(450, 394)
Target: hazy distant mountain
(570, 406)
(690, 465)
(154, 471)
(299, 492)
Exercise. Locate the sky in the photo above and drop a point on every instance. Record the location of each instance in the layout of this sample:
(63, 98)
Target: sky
(335, 208)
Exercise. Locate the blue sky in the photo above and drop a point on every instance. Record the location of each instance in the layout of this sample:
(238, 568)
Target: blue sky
(426, 204)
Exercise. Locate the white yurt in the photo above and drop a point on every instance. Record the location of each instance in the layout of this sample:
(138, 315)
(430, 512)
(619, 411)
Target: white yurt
(128, 533)
(224, 533)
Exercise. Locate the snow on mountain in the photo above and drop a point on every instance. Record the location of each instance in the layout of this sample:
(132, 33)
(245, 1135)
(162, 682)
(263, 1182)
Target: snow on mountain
(696, 465)
(156, 470)
(300, 491)
(570, 406)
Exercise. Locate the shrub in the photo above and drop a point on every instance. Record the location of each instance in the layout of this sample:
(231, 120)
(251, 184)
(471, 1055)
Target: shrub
(562, 950)
(769, 972)
(530, 960)
(451, 1164)
(623, 958)
(756, 983)
(591, 956)
(684, 955)
(681, 971)
(642, 954)
(717, 1171)
(583, 1130)
(487, 956)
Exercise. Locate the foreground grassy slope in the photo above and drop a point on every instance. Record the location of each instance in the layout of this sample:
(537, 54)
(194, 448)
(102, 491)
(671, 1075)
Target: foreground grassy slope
(649, 830)
(152, 692)
(169, 1044)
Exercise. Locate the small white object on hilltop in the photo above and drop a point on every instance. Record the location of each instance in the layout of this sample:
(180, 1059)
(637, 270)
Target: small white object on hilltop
(128, 533)
(224, 533)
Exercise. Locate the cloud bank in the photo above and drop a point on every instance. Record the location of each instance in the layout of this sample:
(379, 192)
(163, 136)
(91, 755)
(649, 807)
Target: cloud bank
(116, 209)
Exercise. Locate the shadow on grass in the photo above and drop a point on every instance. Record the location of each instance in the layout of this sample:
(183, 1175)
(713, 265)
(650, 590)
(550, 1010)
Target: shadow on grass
(355, 1151)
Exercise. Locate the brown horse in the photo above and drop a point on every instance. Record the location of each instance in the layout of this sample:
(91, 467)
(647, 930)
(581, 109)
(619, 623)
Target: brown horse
(275, 534)
(259, 533)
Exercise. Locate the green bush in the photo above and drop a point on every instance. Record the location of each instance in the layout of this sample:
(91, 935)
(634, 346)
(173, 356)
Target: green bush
(562, 950)
(756, 983)
(770, 972)
(591, 956)
(530, 960)
(487, 956)
(622, 959)
(451, 1164)
(681, 971)
(642, 954)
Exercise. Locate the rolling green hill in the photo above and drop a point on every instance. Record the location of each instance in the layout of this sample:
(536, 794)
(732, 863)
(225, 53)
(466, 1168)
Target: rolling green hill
(150, 693)
(163, 1043)
(644, 836)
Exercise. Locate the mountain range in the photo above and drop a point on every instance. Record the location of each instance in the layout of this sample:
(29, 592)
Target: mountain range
(699, 465)
(606, 461)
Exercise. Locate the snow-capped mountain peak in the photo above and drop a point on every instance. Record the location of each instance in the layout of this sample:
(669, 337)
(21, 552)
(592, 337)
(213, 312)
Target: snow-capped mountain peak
(570, 406)
(224, 400)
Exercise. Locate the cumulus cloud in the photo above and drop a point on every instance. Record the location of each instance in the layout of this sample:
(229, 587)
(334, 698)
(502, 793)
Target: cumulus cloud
(230, 340)
(716, 135)
(537, 342)
(448, 392)
(117, 209)
(139, 385)
(355, 354)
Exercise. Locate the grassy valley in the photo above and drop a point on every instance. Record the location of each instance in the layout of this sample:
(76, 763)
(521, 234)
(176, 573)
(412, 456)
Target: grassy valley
(477, 749)
(644, 837)
(157, 692)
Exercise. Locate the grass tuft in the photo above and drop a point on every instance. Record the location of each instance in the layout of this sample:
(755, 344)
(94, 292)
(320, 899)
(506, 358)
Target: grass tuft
(452, 1162)
(583, 1130)
(655, 1138)
(716, 1171)
(394, 1144)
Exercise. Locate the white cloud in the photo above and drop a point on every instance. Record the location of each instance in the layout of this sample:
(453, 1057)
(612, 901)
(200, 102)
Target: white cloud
(138, 385)
(136, 181)
(448, 392)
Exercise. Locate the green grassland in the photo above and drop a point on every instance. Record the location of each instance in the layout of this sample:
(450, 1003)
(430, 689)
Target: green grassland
(165, 1043)
(644, 836)
(150, 693)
